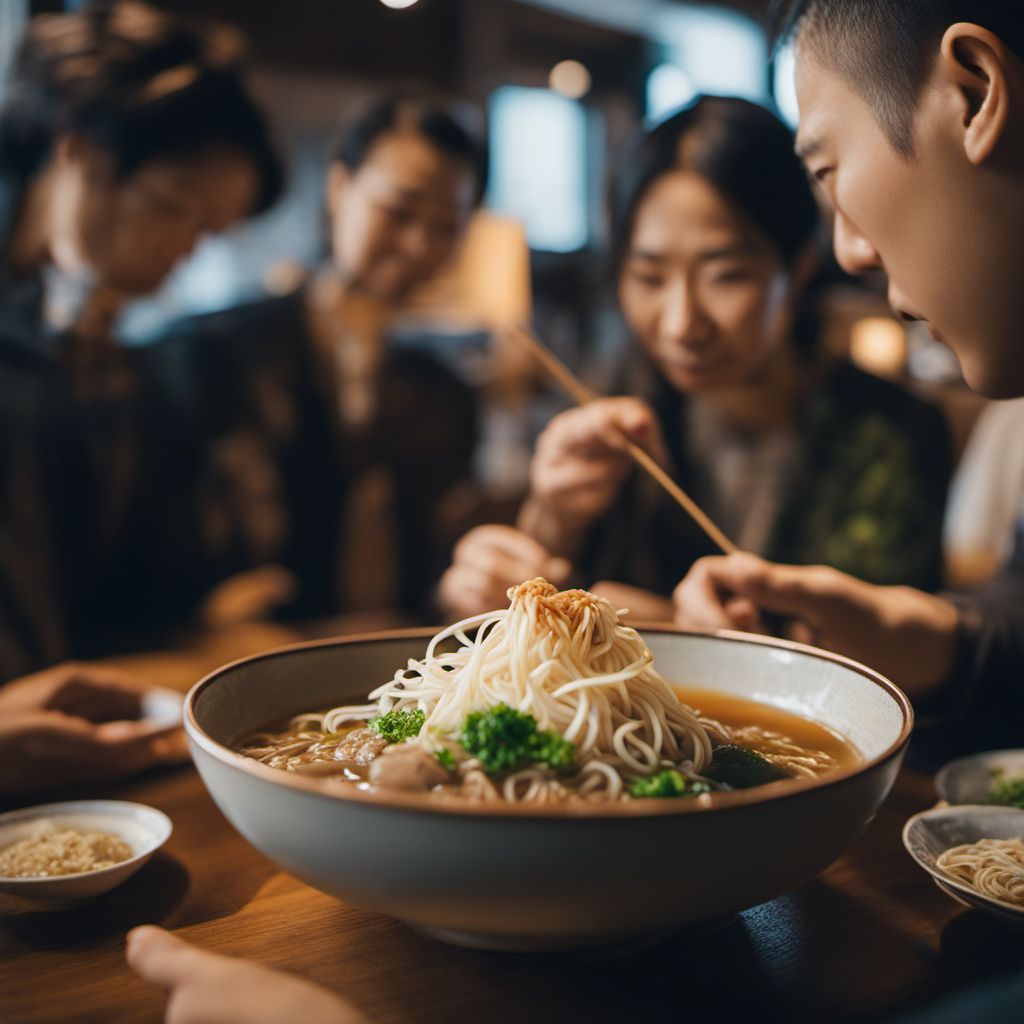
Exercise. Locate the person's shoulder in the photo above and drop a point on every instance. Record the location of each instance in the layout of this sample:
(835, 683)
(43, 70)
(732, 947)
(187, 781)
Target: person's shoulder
(863, 392)
(259, 317)
(416, 365)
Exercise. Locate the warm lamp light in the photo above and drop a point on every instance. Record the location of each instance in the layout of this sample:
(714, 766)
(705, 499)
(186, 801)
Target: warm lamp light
(398, 5)
(879, 345)
(570, 78)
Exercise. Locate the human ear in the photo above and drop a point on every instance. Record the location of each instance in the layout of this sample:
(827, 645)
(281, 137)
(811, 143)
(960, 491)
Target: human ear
(975, 61)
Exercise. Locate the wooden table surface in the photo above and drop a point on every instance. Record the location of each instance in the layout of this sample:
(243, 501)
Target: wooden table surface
(870, 937)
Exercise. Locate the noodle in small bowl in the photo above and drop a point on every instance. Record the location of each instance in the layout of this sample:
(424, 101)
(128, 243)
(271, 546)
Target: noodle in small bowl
(547, 856)
(133, 832)
(975, 854)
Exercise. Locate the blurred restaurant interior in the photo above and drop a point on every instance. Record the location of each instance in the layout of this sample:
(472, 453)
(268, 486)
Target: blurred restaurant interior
(558, 88)
(304, 306)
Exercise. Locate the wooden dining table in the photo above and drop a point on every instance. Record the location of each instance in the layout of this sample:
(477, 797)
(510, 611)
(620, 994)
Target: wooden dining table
(870, 938)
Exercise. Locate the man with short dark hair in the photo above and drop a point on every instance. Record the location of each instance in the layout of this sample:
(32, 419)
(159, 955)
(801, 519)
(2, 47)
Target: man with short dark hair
(912, 121)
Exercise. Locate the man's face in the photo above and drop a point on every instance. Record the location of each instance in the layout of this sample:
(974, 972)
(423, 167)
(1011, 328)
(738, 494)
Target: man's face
(943, 228)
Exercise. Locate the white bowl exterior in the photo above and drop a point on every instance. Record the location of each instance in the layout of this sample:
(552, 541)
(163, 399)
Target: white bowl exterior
(550, 879)
(968, 780)
(556, 877)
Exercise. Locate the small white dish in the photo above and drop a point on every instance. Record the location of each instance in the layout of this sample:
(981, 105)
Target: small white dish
(162, 706)
(968, 780)
(929, 834)
(143, 828)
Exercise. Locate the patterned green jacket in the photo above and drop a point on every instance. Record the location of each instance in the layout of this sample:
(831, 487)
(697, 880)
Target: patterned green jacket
(868, 496)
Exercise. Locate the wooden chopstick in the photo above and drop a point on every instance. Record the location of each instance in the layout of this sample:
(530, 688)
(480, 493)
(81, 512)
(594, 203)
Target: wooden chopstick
(582, 395)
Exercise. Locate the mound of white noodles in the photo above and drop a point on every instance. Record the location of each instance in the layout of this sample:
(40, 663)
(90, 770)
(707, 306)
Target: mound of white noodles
(565, 658)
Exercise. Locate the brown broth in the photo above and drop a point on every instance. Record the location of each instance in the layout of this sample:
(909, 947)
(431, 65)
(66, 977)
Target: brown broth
(738, 712)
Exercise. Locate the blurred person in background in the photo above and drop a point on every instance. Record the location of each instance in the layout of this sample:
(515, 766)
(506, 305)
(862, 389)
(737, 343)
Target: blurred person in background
(794, 453)
(326, 451)
(986, 499)
(125, 135)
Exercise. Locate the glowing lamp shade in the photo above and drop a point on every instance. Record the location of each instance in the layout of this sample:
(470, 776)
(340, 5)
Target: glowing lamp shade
(398, 5)
(570, 78)
(879, 345)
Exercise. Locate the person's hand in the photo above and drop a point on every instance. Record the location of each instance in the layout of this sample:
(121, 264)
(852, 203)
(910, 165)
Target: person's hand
(486, 562)
(84, 691)
(207, 988)
(905, 634)
(78, 724)
(579, 466)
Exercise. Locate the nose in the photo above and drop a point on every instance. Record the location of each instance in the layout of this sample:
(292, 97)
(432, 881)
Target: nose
(682, 319)
(854, 253)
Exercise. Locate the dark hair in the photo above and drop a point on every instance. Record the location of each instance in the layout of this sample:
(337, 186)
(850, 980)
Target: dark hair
(137, 82)
(746, 154)
(438, 122)
(885, 48)
(742, 150)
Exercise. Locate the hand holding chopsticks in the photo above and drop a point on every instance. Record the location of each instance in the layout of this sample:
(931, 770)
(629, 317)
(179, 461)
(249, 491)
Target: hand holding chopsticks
(582, 395)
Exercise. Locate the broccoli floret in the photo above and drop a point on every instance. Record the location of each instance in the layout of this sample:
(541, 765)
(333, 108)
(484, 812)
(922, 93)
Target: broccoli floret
(1007, 790)
(446, 758)
(740, 768)
(668, 783)
(396, 726)
(503, 740)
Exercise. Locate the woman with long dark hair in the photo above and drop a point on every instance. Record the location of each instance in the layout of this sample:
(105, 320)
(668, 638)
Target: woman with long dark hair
(793, 452)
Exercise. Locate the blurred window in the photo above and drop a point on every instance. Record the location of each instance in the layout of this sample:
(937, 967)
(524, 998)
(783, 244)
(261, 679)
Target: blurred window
(539, 165)
(13, 19)
(784, 73)
(708, 50)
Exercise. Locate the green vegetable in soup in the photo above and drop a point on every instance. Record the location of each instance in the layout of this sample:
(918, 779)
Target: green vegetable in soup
(446, 758)
(505, 740)
(397, 726)
(1007, 789)
(740, 768)
(668, 783)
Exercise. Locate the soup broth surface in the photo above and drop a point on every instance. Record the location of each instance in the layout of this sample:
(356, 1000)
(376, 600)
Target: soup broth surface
(738, 712)
(348, 755)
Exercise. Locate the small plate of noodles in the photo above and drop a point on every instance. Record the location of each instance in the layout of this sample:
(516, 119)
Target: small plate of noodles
(974, 853)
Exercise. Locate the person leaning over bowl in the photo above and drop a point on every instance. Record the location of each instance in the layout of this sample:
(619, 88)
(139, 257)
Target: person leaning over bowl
(921, 153)
(125, 136)
(796, 454)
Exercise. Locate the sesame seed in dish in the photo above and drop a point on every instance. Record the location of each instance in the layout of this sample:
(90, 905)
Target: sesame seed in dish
(51, 851)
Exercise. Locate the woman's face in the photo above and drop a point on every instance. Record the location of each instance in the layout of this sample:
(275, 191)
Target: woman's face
(706, 294)
(398, 218)
(131, 231)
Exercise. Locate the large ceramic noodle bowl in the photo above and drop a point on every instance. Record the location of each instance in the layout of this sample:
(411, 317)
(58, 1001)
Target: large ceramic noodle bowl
(546, 777)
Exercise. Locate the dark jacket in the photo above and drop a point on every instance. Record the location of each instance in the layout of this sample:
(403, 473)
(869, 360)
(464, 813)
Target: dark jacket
(982, 707)
(273, 469)
(47, 497)
(868, 496)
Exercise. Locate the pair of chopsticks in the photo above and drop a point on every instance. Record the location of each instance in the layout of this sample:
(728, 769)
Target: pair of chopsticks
(582, 395)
